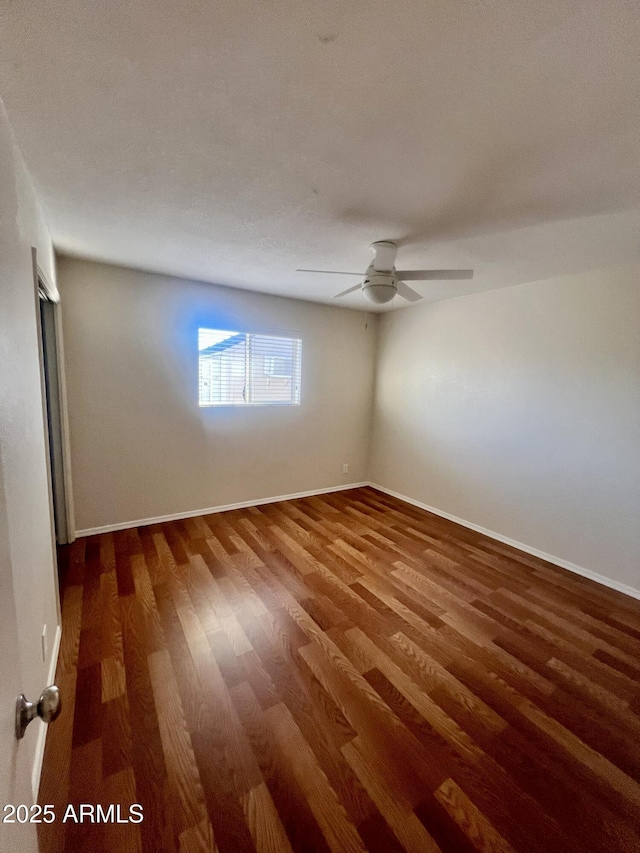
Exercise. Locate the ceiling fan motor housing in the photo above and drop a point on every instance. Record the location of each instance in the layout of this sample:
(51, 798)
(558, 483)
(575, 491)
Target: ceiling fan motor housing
(379, 287)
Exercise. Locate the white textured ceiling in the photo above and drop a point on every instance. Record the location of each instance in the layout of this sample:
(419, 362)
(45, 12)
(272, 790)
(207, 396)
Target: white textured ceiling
(234, 141)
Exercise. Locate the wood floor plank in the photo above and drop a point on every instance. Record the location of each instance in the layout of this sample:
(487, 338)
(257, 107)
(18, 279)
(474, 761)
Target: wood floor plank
(300, 824)
(198, 839)
(339, 832)
(120, 788)
(263, 821)
(182, 772)
(398, 813)
(428, 710)
(392, 748)
(471, 820)
(339, 673)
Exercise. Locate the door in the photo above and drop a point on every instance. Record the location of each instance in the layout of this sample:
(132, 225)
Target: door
(16, 757)
(29, 608)
(14, 775)
(29, 614)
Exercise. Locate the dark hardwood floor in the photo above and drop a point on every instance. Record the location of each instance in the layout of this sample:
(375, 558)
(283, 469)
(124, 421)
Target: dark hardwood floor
(341, 673)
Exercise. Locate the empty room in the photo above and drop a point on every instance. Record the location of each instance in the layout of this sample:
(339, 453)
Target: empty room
(320, 426)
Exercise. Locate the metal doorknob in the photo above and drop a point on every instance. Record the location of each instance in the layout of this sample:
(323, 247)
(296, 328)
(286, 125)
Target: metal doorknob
(47, 707)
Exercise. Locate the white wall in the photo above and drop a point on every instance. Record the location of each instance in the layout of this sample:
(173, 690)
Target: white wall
(140, 445)
(28, 597)
(519, 410)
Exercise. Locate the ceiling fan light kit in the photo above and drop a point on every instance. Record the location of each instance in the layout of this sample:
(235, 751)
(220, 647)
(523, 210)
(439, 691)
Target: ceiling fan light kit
(382, 282)
(379, 288)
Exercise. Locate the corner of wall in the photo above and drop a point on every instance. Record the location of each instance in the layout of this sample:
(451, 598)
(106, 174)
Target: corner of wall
(375, 320)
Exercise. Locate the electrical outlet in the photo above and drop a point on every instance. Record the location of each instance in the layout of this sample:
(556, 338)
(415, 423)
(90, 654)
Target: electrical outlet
(345, 468)
(45, 644)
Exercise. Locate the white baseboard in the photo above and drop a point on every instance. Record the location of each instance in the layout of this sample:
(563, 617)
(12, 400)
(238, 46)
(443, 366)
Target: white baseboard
(178, 516)
(535, 552)
(42, 731)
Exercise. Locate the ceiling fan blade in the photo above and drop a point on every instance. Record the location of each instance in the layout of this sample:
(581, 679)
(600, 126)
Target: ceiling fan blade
(434, 275)
(408, 292)
(332, 272)
(350, 290)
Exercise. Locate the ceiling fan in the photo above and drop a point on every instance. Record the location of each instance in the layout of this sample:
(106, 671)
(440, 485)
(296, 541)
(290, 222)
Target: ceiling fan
(382, 281)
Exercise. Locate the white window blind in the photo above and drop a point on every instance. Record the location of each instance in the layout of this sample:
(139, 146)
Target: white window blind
(243, 369)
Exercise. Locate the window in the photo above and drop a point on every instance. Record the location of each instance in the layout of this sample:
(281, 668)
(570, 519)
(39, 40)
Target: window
(242, 369)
